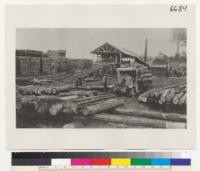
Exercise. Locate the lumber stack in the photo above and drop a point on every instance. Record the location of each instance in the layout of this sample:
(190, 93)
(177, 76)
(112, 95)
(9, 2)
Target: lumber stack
(27, 52)
(145, 74)
(172, 95)
(35, 65)
(27, 65)
(24, 65)
(46, 65)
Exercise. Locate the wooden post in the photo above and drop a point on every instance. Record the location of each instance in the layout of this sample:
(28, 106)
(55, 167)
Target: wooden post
(120, 57)
(97, 58)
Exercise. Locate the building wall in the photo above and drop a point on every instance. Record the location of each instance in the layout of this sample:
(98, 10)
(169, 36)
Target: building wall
(160, 71)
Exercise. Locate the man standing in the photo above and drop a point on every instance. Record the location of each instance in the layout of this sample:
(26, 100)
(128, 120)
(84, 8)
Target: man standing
(105, 82)
(129, 84)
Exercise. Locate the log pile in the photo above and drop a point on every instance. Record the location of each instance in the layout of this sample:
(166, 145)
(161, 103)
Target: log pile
(66, 101)
(64, 90)
(39, 90)
(171, 95)
(86, 106)
(101, 107)
(73, 104)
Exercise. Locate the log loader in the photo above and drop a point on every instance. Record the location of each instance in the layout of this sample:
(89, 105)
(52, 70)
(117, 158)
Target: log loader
(132, 81)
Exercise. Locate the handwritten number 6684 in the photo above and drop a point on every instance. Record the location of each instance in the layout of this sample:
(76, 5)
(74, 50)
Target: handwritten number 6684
(178, 8)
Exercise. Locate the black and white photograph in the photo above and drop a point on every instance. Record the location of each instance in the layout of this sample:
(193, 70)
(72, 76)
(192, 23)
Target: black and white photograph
(101, 78)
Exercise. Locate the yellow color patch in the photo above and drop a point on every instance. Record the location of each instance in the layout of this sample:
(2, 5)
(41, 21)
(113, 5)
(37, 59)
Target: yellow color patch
(120, 162)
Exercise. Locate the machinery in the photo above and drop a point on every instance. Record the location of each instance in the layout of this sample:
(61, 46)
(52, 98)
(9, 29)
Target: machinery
(133, 80)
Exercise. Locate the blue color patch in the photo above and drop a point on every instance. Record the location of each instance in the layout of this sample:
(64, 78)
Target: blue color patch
(160, 162)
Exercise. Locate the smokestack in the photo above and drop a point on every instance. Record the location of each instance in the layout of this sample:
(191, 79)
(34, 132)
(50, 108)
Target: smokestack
(145, 50)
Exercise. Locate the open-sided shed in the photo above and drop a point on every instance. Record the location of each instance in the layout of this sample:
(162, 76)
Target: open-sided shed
(112, 54)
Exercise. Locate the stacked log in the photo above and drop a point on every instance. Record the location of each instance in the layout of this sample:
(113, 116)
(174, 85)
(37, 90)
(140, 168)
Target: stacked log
(80, 93)
(25, 90)
(79, 105)
(56, 109)
(172, 95)
(102, 106)
(38, 90)
(42, 106)
(71, 104)
(60, 90)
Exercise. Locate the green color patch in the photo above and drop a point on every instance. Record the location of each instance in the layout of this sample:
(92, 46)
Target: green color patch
(140, 161)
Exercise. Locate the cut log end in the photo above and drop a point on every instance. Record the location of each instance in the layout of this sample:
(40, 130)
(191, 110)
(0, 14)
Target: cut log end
(55, 109)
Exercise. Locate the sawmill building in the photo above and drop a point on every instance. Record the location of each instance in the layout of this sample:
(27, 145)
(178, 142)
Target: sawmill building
(108, 53)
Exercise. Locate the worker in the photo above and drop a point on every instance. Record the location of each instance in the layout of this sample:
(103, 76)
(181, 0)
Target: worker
(123, 86)
(105, 82)
(129, 84)
(36, 81)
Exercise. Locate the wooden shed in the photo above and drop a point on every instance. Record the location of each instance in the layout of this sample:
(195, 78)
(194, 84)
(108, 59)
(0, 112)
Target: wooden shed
(108, 53)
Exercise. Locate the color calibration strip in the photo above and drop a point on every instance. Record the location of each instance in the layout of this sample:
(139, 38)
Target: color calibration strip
(76, 159)
(105, 162)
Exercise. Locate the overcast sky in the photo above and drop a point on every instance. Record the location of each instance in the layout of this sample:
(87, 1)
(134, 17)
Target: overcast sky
(80, 42)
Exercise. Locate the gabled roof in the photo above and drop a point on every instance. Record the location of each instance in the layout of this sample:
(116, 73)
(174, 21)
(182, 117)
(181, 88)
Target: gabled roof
(108, 48)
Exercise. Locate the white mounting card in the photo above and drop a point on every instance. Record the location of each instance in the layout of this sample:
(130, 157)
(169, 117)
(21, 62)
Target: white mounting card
(41, 90)
(139, 168)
